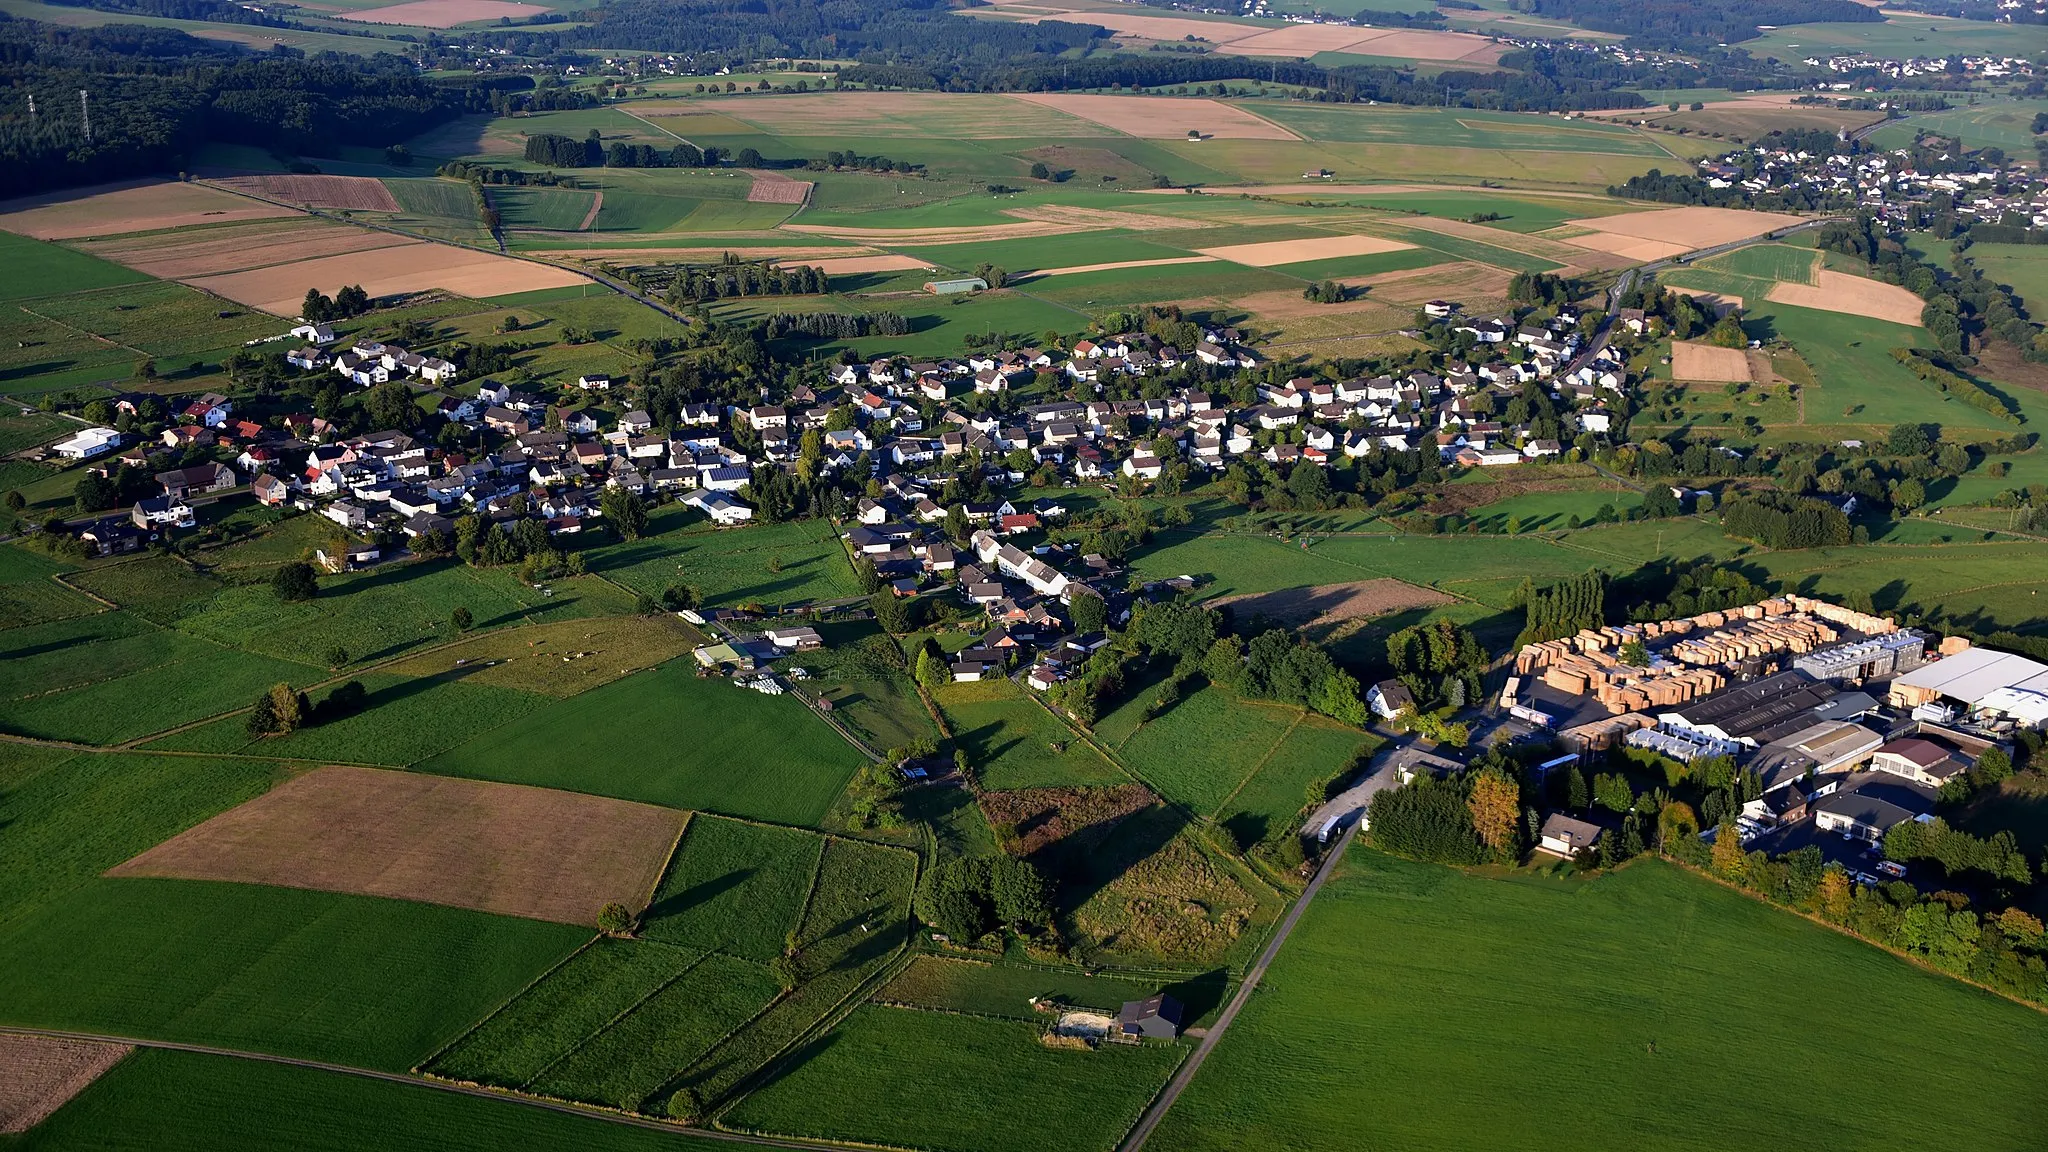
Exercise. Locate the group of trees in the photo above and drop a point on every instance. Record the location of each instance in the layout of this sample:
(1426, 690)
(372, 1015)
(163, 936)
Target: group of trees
(833, 325)
(696, 283)
(1777, 520)
(346, 304)
(970, 897)
(1558, 610)
(1440, 662)
(1931, 367)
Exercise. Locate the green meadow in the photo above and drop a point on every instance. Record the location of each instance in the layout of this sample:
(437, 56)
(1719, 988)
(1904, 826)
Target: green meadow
(1432, 1009)
(696, 743)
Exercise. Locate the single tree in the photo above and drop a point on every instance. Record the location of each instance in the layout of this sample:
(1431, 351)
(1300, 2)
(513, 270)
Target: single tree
(615, 919)
(295, 582)
(337, 656)
(1495, 804)
(462, 620)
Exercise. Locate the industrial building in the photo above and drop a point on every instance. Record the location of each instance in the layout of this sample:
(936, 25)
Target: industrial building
(1997, 688)
(1875, 658)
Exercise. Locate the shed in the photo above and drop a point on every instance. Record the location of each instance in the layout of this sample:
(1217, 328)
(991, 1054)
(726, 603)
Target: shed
(956, 285)
(1156, 1018)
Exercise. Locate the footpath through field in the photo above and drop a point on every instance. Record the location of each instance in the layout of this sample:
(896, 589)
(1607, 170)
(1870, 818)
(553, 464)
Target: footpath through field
(1142, 1130)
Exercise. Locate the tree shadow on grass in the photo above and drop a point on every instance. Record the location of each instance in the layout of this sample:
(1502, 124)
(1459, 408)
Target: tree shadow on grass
(695, 895)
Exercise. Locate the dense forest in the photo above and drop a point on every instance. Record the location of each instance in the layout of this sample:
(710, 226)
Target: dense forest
(157, 94)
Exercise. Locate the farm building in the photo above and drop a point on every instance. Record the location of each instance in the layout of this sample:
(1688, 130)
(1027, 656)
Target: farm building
(1156, 1018)
(87, 444)
(956, 285)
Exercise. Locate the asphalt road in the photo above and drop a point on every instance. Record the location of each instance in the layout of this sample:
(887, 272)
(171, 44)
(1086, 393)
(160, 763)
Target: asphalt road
(1142, 1130)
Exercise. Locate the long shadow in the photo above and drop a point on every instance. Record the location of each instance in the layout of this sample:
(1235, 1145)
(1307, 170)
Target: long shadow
(1085, 870)
(1200, 995)
(39, 649)
(385, 577)
(402, 690)
(696, 894)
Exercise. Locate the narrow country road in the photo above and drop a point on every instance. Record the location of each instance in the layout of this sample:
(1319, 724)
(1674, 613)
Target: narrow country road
(1142, 1130)
(419, 1082)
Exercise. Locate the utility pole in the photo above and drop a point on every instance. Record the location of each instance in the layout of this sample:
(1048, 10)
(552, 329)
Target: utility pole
(85, 114)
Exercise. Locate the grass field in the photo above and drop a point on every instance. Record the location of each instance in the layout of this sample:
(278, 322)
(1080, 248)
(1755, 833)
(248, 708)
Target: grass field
(38, 268)
(1010, 739)
(1766, 262)
(112, 677)
(405, 721)
(697, 744)
(70, 816)
(546, 1023)
(734, 887)
(163, 1101)
(844, 1086)
(1437, 1010)
(624, 1065)
(350, 979)
(770, 563)
(2006, 124)
(2020, 267)
(552, 209)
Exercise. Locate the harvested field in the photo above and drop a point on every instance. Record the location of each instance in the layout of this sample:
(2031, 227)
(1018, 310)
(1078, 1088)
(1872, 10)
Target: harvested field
(1124, 264)
(1464, 282)
(1105, 218)
(386, 272)
(1287, 309)
(852, 265)
(1274, 252)
(775, 188)
(1328, 605)
(356, 193)
(1045, 817)
(142, 206)
(502, 848)
(1704, 362)
(945, 115)
(443, 13)
(1852, 295)
(1574, 253)
(40, 1074)
(1162, 117)
(1691, 227)
(1632, 248)
(217, 251)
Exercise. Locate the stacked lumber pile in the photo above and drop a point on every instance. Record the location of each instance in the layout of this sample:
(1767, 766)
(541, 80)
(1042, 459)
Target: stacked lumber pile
(1600, 735)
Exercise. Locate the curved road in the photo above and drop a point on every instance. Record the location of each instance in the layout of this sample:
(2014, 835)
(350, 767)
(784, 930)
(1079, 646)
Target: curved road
(1142, 1130)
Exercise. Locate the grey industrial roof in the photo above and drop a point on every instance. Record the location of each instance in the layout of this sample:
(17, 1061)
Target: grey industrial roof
(1973, 674)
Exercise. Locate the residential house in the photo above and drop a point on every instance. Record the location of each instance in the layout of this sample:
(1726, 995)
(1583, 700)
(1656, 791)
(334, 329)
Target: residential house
(1567, 836)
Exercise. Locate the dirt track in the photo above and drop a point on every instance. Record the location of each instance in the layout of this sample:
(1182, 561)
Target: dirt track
(1335, 604)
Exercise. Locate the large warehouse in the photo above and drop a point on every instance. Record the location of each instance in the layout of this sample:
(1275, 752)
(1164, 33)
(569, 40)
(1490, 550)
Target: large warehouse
(1979, 680)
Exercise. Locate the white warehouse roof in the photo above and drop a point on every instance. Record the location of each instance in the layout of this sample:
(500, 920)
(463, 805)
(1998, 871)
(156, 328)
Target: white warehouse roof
(1973, 675)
